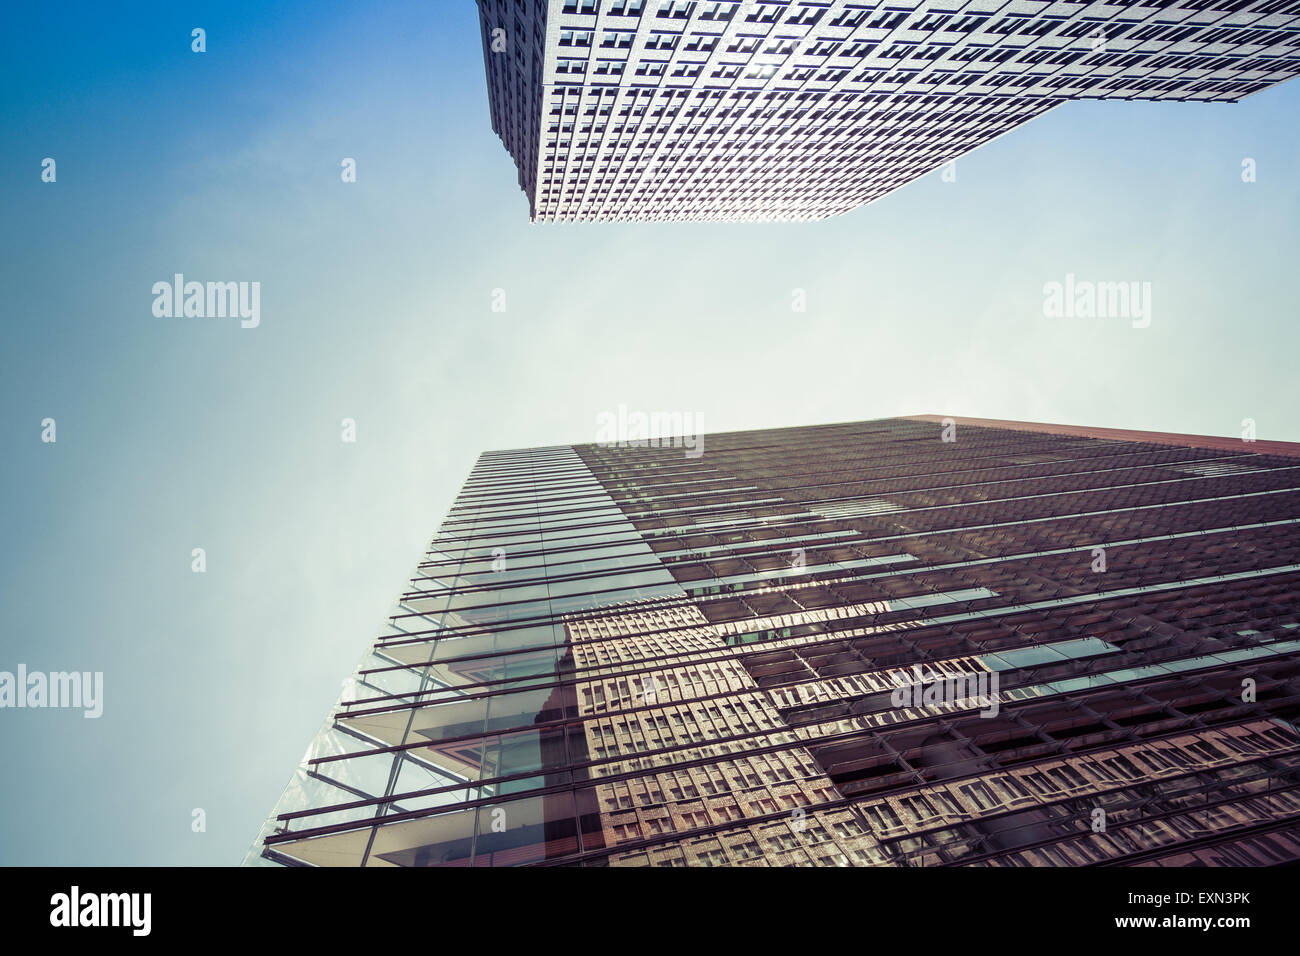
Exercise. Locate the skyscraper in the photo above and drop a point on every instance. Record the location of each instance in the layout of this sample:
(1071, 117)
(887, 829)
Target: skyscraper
(905, 642)
(802, 109)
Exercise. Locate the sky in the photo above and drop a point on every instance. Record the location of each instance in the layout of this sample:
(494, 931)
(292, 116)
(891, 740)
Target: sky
(376, 305)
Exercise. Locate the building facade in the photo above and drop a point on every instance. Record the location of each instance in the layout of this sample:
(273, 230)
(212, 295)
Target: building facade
(906, 642)
(753, 110)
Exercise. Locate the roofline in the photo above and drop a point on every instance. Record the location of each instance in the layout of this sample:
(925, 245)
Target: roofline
(1284, 448)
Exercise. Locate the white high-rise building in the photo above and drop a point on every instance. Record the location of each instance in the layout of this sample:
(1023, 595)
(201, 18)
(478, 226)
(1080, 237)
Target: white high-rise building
(754, 110)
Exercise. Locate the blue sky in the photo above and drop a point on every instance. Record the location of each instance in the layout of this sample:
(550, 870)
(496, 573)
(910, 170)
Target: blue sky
(183, 433)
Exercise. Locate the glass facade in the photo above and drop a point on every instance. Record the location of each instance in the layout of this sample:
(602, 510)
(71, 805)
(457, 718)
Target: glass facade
(906, 642)
(722, 110)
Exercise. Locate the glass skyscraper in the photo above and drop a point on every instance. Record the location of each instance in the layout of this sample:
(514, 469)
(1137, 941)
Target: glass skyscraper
(904, 642)
(756, 110)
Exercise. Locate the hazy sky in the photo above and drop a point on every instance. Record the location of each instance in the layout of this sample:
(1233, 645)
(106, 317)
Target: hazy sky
(177, 433)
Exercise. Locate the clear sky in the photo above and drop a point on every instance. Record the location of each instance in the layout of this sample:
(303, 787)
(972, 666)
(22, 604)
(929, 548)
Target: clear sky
(376, 297)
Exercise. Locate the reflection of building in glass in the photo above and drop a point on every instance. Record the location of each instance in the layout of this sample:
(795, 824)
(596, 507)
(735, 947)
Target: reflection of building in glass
(627, 656)
(802, 109)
